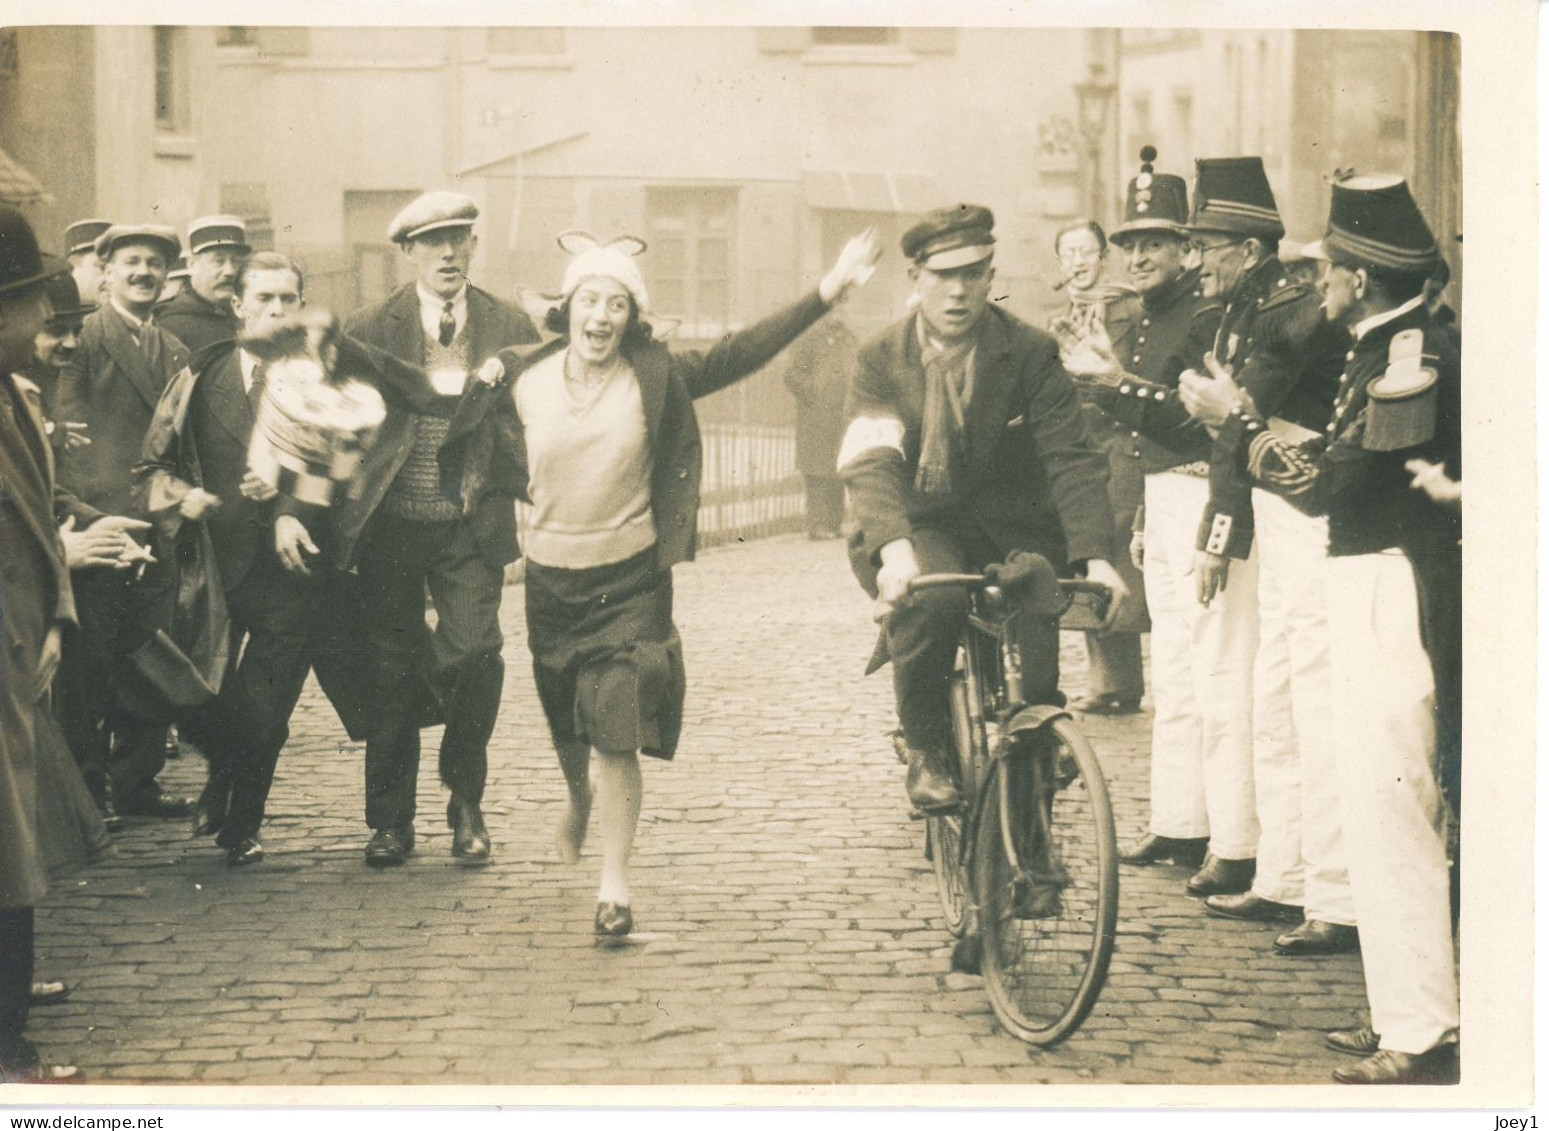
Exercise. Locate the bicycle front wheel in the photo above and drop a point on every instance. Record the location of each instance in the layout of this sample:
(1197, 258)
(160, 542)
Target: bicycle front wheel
(1047, 878)
(945, 831)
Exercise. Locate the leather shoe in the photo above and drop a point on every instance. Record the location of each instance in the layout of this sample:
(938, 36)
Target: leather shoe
(1107, 704)
(158, 805)
(1222, 877)
(1153, 849)
(613, 921)
(1315, 936)
(1436, 1066)
(47, 993)
(470, 839)
(245, 851)
(1353, 1042)
(390, 847)
(1250, 907)
(930, 790)
(207, 820)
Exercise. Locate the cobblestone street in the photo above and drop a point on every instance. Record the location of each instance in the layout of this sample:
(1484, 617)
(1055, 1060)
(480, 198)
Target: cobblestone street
(788, 928)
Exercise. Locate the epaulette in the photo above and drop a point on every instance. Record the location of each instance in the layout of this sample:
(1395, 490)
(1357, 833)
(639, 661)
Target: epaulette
(1402, 409)
(1289, 316)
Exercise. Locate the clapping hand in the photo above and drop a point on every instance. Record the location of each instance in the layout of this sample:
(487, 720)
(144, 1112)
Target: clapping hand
(855, 265)
(256, 489)
(1211, 396)
(197, 503)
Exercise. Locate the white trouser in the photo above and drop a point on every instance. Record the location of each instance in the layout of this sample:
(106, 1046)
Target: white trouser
(1384, 738)
(1301, 860)
(1201, 679)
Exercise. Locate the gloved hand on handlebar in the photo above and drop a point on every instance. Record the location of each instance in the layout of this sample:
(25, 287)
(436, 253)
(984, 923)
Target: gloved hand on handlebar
(1032, 578)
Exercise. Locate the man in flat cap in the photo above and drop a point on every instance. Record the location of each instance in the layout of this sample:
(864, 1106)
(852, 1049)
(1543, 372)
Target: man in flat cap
(201, 313)
(1394, 587)
(112, 385)
(964, 444)
(401, 532)
(81, 253)
(35, 595)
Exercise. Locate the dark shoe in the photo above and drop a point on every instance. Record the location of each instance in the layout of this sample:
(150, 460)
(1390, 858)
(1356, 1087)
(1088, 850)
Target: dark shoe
(1438, 1066)
(159, 805)
(1353, 1042)
(1153, 849)
(613, 921)
(1253, 908)
(968, 955)
(47, 993)
(470, 839)
(1222, 877)
(25, 1066)
(1317, 937)
(930, 790)
(1107, 704)
(207, 820)
(110, 818)
(388, 848)
(245, 851)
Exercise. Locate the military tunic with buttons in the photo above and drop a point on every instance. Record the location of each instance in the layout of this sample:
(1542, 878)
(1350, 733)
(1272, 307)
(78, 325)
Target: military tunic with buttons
(1355, 475)
(1177, 327)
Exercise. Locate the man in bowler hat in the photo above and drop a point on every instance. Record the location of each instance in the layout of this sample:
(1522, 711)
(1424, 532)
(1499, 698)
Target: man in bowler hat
(964, 444)
(38, 606)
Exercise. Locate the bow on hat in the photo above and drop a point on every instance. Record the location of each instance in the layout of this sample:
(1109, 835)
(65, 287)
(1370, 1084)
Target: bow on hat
(613, 260)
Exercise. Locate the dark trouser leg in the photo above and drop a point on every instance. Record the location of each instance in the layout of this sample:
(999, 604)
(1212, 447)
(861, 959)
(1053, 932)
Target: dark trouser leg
(825, 504)
(922, 639)
(16, 959)
(277, 608)
(466, 645)
(82, 694)
(139, 752)
(1114, 665)
(393, 562)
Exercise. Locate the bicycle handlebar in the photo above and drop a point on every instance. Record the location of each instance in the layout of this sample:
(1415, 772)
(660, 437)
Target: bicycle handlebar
(1068, 586)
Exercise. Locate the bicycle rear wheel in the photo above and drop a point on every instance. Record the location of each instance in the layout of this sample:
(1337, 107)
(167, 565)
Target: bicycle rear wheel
(945, 832)
(1047, 879)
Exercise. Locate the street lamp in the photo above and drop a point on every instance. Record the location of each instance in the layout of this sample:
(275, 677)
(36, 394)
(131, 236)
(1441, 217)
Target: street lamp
(1094, 97)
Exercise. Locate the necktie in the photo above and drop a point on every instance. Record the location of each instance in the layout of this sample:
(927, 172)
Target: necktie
(255, 393)
(448, 324)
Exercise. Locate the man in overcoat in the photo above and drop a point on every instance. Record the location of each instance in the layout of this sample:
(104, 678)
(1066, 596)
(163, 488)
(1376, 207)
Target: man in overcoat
(112, 385)
(201, 313)
(401, 532)
(964, 443)
(38, 606)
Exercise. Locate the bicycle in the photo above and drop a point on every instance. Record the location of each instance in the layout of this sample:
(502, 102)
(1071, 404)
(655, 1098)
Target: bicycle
(1034, 898)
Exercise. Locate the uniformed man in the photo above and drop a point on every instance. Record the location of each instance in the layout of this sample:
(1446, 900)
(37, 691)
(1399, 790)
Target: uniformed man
(1275, 339)
(964, 443)
(81, 253)
(1202, 646)
(201, 313)
(1394, 585)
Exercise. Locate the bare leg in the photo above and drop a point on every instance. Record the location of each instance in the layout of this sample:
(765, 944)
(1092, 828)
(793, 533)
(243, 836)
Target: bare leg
(618, 812)
(575, 764)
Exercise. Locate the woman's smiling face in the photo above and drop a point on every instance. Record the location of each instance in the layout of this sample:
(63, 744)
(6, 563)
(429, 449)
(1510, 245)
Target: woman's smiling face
(600, 311)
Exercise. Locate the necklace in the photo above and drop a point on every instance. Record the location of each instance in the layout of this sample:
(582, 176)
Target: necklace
(588, 376)
(585, 390)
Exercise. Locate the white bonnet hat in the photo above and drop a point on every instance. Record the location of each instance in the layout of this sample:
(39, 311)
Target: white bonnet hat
(613, 260)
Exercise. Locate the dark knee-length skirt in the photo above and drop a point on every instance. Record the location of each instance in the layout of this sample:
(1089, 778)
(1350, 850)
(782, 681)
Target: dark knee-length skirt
(606, 655)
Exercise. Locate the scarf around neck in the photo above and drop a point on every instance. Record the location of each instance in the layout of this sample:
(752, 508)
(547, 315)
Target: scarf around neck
(948, 390)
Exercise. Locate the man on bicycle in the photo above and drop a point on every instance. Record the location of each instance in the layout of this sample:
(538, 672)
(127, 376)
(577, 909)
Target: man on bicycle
(964, 443)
